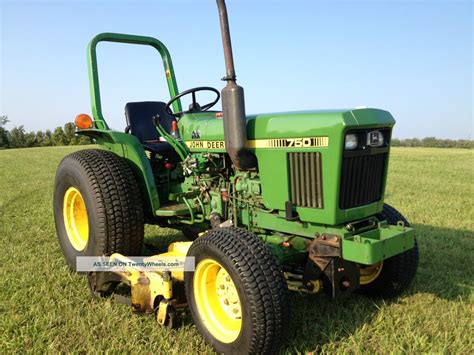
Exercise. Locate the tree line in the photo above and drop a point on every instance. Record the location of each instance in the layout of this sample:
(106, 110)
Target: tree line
(18, 137)
(432, 142)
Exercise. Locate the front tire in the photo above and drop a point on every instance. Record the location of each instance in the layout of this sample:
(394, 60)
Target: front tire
(97, 206)
(394, 275)
(237, 295)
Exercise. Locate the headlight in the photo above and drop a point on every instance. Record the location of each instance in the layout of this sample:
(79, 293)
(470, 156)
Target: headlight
(375, 139)
(351, 141)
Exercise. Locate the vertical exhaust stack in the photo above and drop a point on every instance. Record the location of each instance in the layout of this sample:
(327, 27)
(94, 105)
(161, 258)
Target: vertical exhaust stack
(233, 104)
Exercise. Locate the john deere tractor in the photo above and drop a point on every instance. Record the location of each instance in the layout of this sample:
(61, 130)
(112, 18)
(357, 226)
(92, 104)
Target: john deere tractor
(270, 203)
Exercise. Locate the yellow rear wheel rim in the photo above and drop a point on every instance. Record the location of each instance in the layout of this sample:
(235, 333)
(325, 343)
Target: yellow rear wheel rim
(75, 219)
(370, 273)
(217, 301)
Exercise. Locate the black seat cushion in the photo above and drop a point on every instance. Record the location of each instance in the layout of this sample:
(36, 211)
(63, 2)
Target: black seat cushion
(139, 117)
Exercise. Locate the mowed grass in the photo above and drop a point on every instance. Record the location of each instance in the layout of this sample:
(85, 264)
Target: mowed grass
(45, 308)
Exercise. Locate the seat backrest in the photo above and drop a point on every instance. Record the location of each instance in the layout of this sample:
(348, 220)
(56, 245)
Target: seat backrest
(140, 115)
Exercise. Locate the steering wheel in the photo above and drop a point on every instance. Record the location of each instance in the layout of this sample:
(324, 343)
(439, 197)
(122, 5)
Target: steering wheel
(194, 107)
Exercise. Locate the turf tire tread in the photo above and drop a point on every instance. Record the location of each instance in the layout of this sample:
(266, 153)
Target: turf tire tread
(263, 282)
(120, 209)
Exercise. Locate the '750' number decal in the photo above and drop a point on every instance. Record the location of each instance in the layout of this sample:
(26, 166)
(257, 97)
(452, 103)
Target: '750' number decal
(290, 142)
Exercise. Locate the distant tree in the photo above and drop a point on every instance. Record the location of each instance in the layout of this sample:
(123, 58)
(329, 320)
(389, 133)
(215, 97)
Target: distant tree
(433, 142)
(4, 142)
(83, 140)
(30, 140)
(412, 142)
(59, 137)
(48, 139)
(70, 133)
(3, 120)
(40, 138)
(464, 143)
(395, 142)
(430, 142)
(16, 136)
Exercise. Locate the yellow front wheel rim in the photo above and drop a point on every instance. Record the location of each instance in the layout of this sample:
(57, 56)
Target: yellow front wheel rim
(217, 301)
(370, 273)
(75, 219)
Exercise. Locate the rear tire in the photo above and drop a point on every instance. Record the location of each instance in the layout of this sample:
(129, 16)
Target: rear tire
(397, 272)
(236, 262)
(104, 214)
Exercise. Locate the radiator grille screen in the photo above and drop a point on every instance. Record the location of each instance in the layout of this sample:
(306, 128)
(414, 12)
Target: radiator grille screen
(306, 179)
(361, 179)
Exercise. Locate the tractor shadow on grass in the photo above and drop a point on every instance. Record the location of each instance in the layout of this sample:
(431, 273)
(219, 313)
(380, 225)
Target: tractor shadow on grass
(444, 270)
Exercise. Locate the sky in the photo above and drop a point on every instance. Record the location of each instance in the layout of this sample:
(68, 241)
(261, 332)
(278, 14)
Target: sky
(412, 58)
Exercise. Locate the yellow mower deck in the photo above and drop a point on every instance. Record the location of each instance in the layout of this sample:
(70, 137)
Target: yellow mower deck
(147, 287)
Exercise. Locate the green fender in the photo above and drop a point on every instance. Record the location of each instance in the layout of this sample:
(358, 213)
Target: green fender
(130, 148)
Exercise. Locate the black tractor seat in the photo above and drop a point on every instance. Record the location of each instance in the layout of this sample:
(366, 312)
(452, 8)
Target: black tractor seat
(140, 123)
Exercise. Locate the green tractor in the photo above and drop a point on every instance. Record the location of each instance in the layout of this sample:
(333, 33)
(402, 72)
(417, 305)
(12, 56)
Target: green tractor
(270, 203)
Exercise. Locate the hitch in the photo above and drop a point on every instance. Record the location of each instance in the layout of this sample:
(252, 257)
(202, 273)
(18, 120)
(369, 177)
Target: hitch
(340, 277)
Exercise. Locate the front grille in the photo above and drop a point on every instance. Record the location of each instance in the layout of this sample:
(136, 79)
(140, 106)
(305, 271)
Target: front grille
(306, 179)
(362, 179)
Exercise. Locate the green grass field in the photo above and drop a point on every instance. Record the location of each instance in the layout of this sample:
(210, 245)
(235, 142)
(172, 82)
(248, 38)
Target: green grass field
(45, 308)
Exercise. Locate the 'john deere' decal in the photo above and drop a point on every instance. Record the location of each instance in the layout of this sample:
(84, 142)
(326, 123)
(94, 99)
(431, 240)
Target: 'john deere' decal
(309, 142)
(206, 144)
